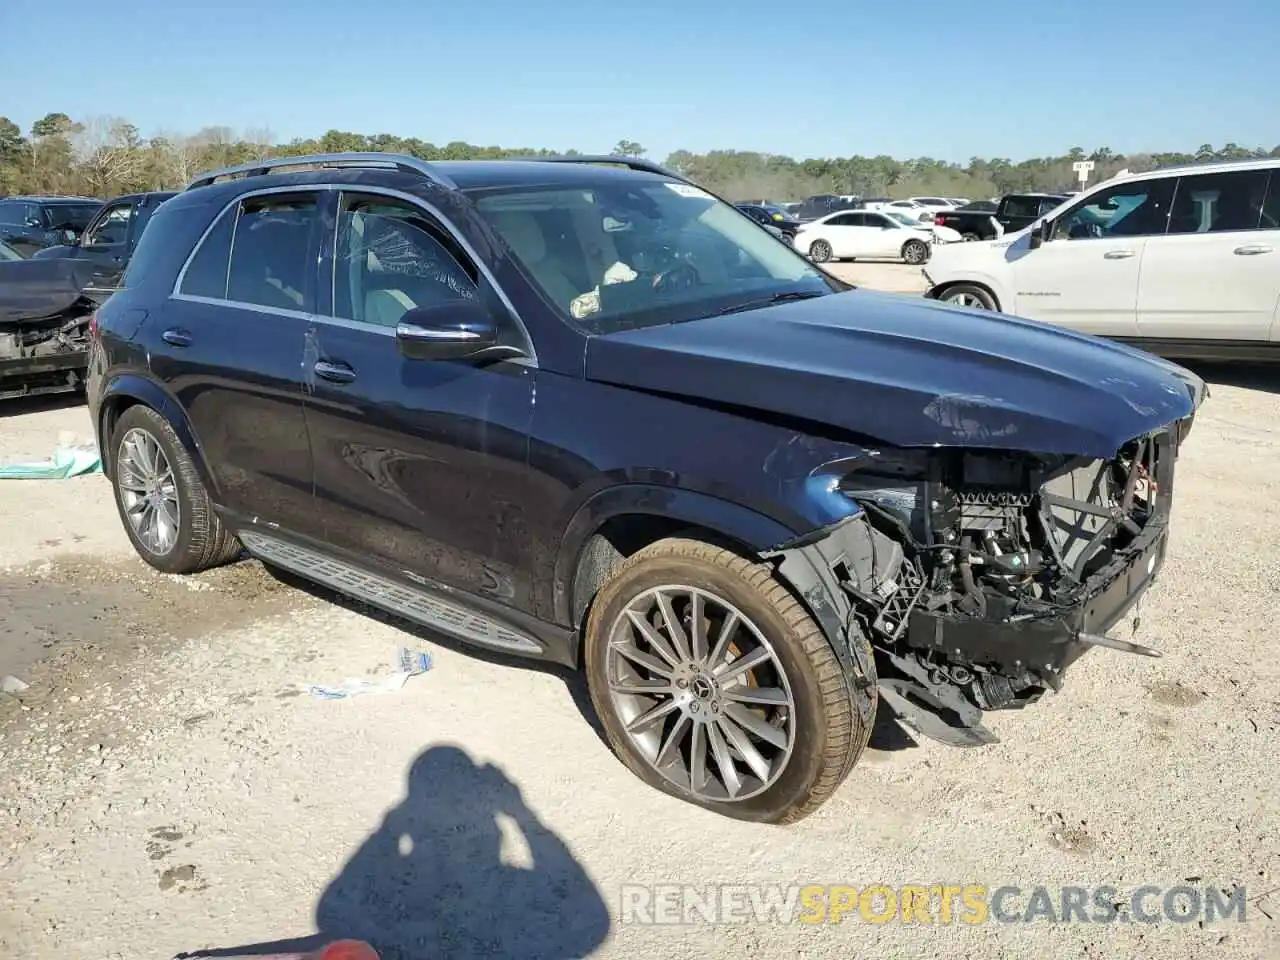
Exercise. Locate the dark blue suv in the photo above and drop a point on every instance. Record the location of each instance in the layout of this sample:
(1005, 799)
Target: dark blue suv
(581, 410)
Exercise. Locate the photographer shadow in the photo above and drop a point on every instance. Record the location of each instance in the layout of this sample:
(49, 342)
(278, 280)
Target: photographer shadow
(433, 880)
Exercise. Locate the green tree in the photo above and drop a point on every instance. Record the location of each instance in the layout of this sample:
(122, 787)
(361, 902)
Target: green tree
(627, 148)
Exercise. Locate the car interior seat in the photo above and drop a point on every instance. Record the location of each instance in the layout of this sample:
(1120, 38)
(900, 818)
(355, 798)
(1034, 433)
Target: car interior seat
(525, 238)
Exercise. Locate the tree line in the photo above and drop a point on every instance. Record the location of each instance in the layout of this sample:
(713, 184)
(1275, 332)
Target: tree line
(107, 156)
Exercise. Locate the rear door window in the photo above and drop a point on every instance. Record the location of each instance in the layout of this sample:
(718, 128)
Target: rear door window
(1219, 202)
(1022, 207)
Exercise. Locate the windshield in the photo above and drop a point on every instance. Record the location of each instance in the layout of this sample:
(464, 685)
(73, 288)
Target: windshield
(8, 253)
(70, 216)
(626, 253)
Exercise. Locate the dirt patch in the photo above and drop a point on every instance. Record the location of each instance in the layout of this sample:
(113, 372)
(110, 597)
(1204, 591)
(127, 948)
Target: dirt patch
(77, 606)
(1175, 695)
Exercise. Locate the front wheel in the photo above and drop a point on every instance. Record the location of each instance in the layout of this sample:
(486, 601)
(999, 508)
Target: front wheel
(820, 251)
(915, 251)
(969, 295)
(716, 686)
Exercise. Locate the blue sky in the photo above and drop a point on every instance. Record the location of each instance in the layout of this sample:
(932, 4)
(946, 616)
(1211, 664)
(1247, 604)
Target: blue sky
(1023, 79)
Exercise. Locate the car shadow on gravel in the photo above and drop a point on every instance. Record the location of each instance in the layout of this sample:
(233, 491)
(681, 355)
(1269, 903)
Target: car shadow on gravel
(40, 403)
(1249, 376)
(434, 879)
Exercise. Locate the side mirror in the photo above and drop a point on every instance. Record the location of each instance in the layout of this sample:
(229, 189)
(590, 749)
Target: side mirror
(452, 331)
(1040, 233)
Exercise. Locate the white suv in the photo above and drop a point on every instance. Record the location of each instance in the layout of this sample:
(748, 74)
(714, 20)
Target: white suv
(1184, 262)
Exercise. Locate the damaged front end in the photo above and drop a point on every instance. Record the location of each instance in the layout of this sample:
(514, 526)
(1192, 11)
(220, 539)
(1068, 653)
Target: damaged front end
(979, 577)
(44, 326)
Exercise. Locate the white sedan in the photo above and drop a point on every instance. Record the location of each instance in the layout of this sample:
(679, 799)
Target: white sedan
(850, 234)
(940, 234)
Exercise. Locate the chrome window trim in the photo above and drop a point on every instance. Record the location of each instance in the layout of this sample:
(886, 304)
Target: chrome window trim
(436, 214)
(175, 293)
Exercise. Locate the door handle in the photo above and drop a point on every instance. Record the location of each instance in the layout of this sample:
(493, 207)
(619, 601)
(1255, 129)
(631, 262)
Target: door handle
(1249, 249)
(336, 372)
(1118, 254)
(176, 338)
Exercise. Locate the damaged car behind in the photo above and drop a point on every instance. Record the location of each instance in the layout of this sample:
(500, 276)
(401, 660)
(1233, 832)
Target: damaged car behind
(582, 411)
(44, 325)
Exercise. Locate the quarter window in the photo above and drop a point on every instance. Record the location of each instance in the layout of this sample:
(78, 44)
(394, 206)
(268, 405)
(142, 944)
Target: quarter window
(1138, 209)
(390, 257)
(1219, 202)
(270, 266)
(206, 274)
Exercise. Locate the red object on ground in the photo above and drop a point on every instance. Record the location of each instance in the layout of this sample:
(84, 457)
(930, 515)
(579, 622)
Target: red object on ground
(348, 950)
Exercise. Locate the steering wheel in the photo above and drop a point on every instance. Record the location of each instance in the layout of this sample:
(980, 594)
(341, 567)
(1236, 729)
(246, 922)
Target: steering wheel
(673, 279)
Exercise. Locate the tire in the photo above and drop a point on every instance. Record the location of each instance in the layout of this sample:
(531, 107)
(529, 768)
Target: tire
(200, 539)
(970, 237)
(820, 251)
(915, 252)
(817, 735)
(970, 296)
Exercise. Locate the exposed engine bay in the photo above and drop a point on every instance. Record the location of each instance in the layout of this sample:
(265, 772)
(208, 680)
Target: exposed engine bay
(979, 577)
(44, 326)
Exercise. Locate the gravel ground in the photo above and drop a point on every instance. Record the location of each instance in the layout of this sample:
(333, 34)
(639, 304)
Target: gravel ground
(166, 788)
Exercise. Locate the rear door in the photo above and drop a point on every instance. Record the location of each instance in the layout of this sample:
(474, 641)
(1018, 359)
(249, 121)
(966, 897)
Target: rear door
(846, 232)
(1215, 274)
(229, 346)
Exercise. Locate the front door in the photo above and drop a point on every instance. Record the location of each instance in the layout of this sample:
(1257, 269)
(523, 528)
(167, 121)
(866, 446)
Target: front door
(229, 347)
(1216, 274)
(421, 465)
(1086, 275)
(105, 244)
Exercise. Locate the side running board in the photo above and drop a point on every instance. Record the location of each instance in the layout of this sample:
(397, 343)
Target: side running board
(412, 603)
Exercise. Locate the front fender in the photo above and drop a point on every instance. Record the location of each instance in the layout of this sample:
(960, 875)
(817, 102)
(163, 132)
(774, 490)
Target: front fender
(940, 278)
(126, 389)
(754, 530)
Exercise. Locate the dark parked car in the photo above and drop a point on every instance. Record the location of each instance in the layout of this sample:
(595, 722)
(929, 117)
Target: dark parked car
(819, 205)
(28, 224)
(1014, 212)
(780, 220)
(44, 325)
(583, 411)
(109, 239)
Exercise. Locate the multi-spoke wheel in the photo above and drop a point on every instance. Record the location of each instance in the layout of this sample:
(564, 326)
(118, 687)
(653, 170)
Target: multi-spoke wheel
(716, 685)
(969, 295)
(148, 491)
(164, 506)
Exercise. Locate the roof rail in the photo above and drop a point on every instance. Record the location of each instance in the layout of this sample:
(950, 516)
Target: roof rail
(634, 163)
(377, 161)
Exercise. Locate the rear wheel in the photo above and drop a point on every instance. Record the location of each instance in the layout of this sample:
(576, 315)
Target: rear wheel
(970, 237)
(969, 295)
(715, 685)
(820, 251)
(162, 503)
(915, 251)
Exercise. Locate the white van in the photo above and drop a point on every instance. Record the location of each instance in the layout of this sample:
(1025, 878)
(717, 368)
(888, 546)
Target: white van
(1184, 262)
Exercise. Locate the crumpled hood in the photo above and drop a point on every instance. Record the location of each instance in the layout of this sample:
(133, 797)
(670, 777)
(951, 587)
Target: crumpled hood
(909, 372)
(34, 289)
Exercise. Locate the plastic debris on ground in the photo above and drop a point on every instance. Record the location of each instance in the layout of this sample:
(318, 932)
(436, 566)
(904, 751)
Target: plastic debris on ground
(12, 684)
(66, 462)
(409, 663)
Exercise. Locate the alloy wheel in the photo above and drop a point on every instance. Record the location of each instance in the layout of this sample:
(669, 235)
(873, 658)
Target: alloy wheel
(701, 693)
(148, 491)
(966, 300)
